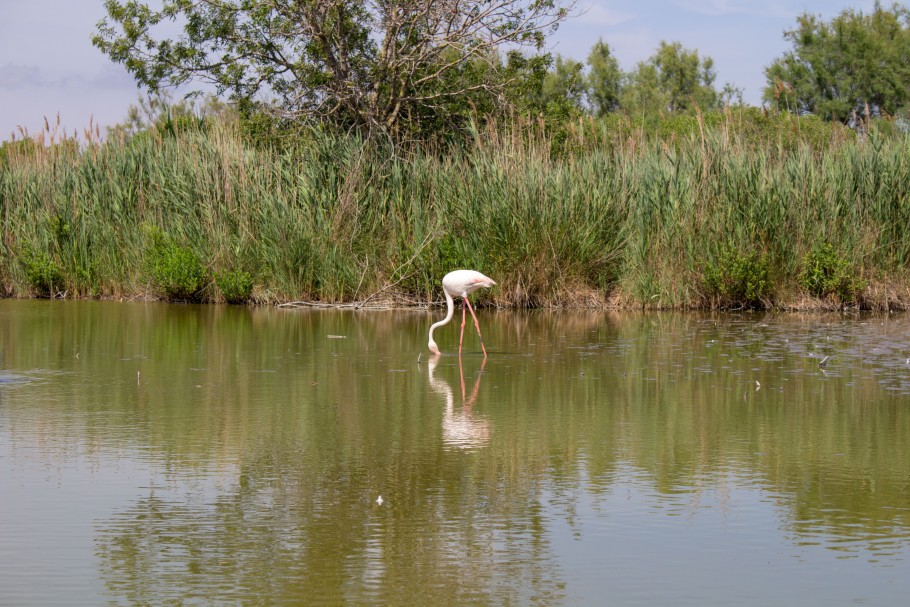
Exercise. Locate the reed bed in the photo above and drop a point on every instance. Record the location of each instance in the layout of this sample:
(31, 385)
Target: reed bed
(703, 220)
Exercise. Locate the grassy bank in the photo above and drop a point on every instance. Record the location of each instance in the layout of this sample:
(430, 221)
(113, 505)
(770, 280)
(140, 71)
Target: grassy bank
(794, 214)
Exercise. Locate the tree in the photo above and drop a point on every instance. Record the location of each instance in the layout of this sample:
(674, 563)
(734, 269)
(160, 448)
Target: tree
(360, 63)
(853, 63)
(641, 92)
(687, 80)
(563, 88)
(673, 79)
(604, 80)
(730, 95)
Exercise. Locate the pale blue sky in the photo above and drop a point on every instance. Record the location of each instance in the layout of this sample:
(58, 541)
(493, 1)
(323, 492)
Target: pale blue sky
(48, 64)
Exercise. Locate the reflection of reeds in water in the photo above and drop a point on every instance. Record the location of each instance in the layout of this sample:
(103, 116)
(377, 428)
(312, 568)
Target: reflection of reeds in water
(460, 428)
(671, 396)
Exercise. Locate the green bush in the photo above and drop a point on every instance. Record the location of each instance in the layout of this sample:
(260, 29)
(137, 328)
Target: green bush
(738, 279)
(42, 272)
(827, 275)
(235, 285)
(177, 272)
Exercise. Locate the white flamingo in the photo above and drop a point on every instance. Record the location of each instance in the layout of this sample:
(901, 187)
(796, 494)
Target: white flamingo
(460, 283)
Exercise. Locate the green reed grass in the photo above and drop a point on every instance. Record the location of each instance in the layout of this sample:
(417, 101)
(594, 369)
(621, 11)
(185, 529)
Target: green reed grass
(586, 218)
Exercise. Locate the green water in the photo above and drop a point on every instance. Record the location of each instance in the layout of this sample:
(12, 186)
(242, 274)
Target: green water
(197, 455)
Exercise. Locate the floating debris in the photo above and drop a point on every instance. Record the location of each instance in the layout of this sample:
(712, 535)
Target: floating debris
(337, 336)
(824, 362)
(379, 500)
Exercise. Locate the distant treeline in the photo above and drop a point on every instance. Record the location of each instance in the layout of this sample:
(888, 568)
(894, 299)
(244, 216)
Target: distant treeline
(417, 70)
(735, 208)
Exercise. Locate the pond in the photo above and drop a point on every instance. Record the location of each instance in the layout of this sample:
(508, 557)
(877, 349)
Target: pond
(170, 454)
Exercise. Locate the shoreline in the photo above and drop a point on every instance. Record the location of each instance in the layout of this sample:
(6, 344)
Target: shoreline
(800, 304)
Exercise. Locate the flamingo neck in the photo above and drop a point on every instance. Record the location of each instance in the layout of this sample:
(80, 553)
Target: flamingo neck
(450, 311)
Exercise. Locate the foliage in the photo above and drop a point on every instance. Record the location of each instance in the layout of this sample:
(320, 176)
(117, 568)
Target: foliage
(673, 79)
(42, 272)
(563, 89)
(769, 131)
(177, 271)
(577, 212)
(236, 285)
(854, 64)
(17, 148)
(739, 279)
(826, 274)
(748, 128)
(160, 114)
(603, 80)
(360, 64)
(525, 75)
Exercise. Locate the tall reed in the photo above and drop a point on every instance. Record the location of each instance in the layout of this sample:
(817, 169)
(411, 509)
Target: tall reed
(588, 219)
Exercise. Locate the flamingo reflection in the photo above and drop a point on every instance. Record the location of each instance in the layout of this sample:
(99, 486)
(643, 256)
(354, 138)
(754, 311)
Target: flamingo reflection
(460, 429)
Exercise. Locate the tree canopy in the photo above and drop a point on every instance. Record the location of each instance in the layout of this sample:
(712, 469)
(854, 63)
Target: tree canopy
(681, 78)
(357, 63)
(854, 62)
(428, 67)
(673, 79)
(604, 79)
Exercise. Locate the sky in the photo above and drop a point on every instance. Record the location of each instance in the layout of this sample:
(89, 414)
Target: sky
(48, 65)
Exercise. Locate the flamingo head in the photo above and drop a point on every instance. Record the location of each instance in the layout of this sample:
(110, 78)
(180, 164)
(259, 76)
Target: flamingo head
(433, 347)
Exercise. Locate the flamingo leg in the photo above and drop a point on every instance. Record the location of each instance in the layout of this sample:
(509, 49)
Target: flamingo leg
(476, 324)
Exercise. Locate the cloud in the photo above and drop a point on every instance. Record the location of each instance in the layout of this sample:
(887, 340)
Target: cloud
(14, 76)
(592, 13)
(716, 8)
(110, 76)
(18, 77)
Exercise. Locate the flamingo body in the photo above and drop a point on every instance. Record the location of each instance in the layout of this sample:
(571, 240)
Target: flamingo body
(460, 283)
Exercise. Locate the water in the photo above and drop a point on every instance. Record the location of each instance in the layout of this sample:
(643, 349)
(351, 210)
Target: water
(198, 455)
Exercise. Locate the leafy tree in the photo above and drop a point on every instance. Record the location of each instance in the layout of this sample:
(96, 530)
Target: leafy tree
(604, 80)
(357, 63)
(855, 62)
(731, 95)
(526, 75)
(673, 79)
(563, 88)
(641, 91)
(685, 78)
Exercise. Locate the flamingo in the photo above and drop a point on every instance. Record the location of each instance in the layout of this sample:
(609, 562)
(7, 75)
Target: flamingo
(460, 283)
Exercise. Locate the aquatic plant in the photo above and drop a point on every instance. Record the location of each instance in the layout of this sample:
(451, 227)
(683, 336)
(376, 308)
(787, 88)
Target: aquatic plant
(42, 272)
(826, 274)
(739, 279)
(177, 272)
(630, 220)
(235, 285)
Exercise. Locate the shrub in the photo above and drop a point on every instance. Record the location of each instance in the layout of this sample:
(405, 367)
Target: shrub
(177, 272)
(738, 279)
(42, 272)
(235, 285)
(827, 275)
